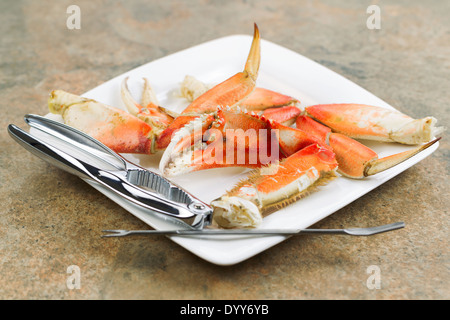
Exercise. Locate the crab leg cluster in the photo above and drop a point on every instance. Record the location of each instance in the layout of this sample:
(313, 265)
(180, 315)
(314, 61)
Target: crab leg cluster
(231, 137)
(236, 123)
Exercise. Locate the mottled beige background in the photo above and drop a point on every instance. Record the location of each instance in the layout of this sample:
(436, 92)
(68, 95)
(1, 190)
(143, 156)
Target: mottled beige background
(50, 220)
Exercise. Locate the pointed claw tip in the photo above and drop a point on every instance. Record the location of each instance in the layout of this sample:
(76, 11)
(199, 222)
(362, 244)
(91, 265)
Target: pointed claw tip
(256, 29)
(430, 143)
(125, 83)
(254, 56)
(378, 165)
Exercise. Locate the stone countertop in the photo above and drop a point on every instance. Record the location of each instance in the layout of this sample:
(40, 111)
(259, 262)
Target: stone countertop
(49, 220)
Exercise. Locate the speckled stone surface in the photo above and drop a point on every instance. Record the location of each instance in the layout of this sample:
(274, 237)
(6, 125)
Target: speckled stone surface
(50, 220)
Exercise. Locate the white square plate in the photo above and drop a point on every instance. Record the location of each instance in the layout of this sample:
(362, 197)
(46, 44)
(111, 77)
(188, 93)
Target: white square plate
(281, 70)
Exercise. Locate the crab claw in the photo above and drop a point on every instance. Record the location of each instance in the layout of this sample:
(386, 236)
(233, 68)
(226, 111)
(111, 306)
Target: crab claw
(116, 128)
(378, 165)
(187, 143)
(228, 93)
(355, 160)
(375, 123)
(260, 98)
(149, 110)
(261, 194)
(233, 90)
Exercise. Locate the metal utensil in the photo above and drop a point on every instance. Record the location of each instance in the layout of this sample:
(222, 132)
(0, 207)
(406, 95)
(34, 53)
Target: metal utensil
(259, 232)
(78, 153)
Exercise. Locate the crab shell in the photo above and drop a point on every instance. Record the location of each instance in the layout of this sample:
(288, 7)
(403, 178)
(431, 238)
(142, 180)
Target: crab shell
(361, 121)
(261, 194)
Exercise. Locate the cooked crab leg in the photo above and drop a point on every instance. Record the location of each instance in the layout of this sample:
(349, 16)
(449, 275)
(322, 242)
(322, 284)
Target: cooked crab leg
(116, 128)
(261, 194)
(259, 99)
(228, 93)
(375, 123)
(355, 159)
